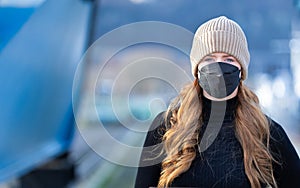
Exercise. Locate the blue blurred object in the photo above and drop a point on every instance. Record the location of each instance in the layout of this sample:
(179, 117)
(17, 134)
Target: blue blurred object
(38, 60)
(11, 20)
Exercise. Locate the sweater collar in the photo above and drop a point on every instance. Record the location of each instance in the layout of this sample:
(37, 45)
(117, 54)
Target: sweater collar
(219, 111)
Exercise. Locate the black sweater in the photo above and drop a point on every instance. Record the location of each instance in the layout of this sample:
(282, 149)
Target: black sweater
(221, 164)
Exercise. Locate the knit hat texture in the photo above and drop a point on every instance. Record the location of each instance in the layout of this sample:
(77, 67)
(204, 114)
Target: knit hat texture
(220, 35)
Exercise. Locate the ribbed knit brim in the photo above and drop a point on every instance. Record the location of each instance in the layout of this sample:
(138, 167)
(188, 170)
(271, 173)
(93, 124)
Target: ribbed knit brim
(220, 35)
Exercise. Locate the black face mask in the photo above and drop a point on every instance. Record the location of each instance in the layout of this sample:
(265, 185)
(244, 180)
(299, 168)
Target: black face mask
(219, 79)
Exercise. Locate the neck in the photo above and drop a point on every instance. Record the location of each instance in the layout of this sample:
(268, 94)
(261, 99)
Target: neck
(217, 111)
(232, 95)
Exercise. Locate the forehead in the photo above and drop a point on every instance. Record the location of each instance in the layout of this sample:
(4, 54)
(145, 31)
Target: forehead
(219, 54)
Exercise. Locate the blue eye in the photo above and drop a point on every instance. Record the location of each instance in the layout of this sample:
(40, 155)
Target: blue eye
(209, 59)
(229, 60)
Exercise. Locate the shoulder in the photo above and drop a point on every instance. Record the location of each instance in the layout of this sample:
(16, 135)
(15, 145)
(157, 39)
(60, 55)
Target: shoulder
(156, 130)
(287, 165)
(158, 121)
(280, 142)
(277, 132)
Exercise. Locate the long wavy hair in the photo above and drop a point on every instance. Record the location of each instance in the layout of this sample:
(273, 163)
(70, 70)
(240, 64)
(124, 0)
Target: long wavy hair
(184, 120)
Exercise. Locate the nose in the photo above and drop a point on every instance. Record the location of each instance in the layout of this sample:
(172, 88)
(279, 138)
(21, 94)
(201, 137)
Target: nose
(219, 59)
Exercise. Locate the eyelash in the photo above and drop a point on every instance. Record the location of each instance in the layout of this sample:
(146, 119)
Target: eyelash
(230, 60)
(209, 59)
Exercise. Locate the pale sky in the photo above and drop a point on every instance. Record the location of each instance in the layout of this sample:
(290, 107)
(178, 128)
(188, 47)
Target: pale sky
(20, 3)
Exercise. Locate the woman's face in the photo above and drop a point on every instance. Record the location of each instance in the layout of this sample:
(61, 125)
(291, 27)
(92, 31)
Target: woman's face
(224, 58)
(219, 57)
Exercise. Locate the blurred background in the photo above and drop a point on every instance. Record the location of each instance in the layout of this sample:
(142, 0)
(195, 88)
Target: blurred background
(44, 43)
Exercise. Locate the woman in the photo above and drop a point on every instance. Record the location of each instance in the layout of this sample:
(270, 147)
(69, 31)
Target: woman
(214, 133)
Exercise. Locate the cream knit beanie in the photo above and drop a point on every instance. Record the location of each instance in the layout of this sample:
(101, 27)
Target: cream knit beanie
(220, 35)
